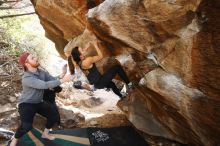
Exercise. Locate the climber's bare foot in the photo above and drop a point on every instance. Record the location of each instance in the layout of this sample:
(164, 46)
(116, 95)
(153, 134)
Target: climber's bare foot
(48, 136)
(14, 142)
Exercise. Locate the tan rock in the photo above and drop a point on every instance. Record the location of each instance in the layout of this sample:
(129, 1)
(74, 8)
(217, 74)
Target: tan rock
(178, 96)
(79, 41)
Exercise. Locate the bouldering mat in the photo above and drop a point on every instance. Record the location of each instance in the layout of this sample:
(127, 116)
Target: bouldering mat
(117, 136)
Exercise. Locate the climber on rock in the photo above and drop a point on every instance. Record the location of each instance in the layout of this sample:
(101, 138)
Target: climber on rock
(80, 81)
(34, 82)
(88, 66)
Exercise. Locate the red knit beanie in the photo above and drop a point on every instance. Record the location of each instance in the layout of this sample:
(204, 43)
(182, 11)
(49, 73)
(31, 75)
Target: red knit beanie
(23, 58)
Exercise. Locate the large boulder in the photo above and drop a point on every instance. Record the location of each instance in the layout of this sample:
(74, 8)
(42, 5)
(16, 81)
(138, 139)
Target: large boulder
(170, 47)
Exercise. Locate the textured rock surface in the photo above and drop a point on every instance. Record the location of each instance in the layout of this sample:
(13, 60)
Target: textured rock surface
(170, 46)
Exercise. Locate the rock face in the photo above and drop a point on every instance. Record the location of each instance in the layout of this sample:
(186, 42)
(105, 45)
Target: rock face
(170, 47)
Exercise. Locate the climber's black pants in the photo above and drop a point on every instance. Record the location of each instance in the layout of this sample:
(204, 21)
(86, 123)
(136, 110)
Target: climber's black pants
(114, 88)
(27, 112)
(106, 79)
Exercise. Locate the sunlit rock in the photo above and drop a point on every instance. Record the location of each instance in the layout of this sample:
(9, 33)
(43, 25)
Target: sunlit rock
(170, 48)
